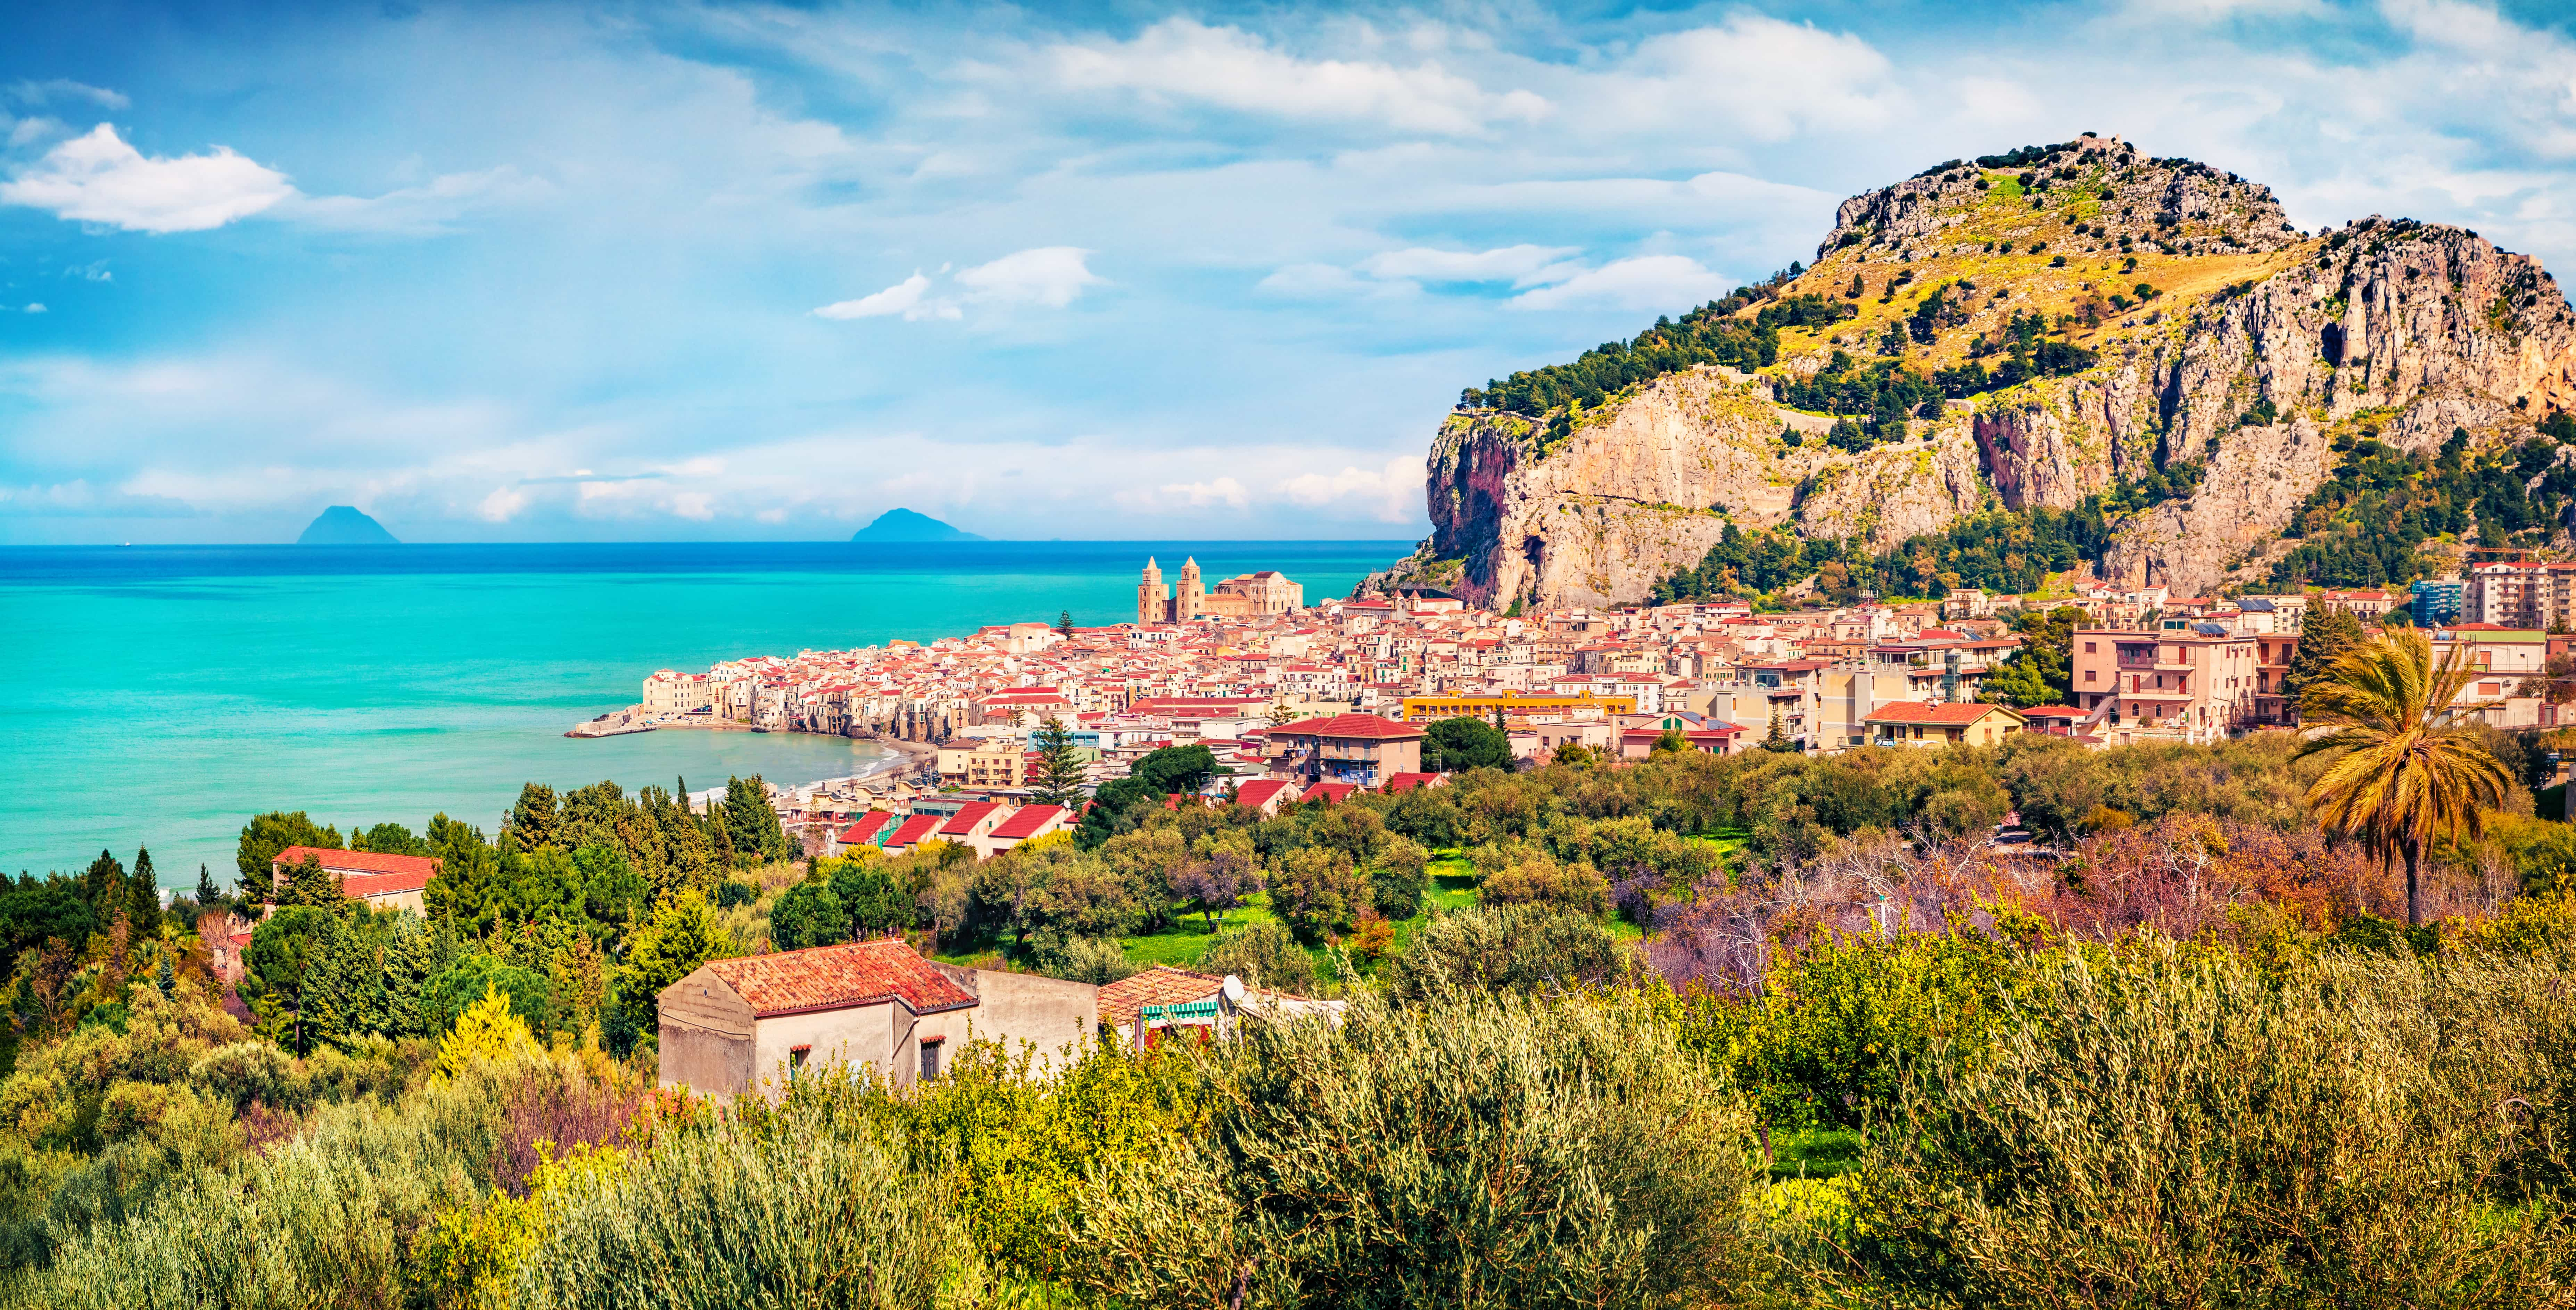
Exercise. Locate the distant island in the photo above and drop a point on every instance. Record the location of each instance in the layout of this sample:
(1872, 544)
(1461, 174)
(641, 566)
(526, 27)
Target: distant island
(343, 525)
(906, 525)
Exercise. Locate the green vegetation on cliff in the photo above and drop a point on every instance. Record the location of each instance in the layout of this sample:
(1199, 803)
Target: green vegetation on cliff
(1710, 334)
(2363, 526)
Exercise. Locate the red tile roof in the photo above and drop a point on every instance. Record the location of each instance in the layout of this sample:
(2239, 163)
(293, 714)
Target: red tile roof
(916, 829)
(1259, 791)
(1328, 792)
(1161, 985)
(385, 884)
(838, 977)
(974, 813)
(1029, 821)
(1396, 782)
(1367, 726)
(865, 827)
(1948, 714)
(347, 862)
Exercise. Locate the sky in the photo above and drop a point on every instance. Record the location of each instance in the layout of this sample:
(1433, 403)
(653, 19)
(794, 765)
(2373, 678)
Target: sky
(539, 272)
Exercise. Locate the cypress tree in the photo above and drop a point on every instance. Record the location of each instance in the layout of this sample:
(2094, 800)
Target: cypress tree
(2325, 637)
(207, 892)
(144, 903)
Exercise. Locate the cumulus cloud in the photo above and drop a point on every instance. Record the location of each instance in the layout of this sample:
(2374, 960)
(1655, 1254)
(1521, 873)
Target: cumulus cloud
(502, 505)
(904, 298)
(1046, 275)
(1183, 60)
(1521, 265)
(1390, 494)
(1667, 282)
(98, 178)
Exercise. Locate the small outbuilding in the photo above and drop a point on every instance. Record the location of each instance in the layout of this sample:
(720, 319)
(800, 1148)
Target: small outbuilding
(733, 1027)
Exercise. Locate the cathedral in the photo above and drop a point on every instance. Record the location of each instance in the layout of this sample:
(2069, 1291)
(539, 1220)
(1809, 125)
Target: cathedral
(1249, 595)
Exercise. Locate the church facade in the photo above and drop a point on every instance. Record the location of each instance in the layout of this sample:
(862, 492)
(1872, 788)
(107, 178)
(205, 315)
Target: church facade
(1245, 596)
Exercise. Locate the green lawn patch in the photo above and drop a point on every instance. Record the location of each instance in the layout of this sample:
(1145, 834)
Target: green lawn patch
(1814, 1153)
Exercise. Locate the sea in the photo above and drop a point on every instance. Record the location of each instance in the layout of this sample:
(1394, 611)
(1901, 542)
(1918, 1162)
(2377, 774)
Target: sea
(167, 693)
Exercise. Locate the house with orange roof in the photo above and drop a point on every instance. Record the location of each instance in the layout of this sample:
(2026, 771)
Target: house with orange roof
(751, 1025)
(913, 831)
(1939, 723)
(380, 882)
(1027, 823)
(1268, 795)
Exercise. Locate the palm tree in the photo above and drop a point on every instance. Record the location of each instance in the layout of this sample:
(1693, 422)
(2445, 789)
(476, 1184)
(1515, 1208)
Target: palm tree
(2405, 772)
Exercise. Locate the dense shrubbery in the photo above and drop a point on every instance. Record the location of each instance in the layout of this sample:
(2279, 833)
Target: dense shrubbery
(2185, 1055)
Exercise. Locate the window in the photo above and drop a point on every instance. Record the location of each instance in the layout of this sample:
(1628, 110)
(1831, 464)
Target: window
(796, 1056)
(2088, 648)
(2088, 675)
(930, 1058)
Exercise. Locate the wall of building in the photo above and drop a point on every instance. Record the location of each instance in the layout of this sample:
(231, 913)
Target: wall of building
(1050, 1014)
(706, 1036)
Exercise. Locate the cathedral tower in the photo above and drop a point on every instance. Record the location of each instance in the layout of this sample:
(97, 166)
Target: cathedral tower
(1190, 600)
(1150, 608)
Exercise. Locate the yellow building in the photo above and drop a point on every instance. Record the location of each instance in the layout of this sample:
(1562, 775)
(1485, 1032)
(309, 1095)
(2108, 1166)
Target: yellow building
(995, 762)
(1432, 709)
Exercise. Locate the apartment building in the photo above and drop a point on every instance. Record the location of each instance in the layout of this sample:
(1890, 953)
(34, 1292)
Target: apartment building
(2534, 595)
(2193, 683)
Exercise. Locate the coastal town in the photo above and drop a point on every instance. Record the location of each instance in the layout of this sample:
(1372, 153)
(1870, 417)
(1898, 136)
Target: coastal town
(1289, 696)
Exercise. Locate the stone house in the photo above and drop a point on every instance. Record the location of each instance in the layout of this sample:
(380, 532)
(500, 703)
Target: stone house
(743, 1026)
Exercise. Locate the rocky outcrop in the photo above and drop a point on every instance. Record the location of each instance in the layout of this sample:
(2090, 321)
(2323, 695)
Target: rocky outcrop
(2253, 350)
(1645, 487)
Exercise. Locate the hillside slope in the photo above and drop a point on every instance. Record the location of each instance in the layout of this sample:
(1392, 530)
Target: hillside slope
(2075, 327)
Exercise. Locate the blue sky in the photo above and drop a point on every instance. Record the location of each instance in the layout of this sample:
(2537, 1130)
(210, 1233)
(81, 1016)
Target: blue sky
(645, 271)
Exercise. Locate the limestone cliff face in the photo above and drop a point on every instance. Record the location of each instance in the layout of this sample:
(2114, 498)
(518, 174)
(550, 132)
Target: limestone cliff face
(2204, 310)
(1646, 487)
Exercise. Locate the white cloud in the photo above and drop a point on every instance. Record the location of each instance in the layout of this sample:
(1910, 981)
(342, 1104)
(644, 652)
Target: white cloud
(429, 208)
(1046, 275)
(502, 505)
(1521, 265)
(98, 178)
(36, 307)
(1199, 495)
(696, 505)
(1755, 77)
(1180, 59)
(60, 88)
(1664, 282)
(1392, 493)
(1331, 282)
(905, 298)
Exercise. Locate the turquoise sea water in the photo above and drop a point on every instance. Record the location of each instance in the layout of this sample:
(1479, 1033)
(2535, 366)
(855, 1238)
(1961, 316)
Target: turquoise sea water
(167, 693)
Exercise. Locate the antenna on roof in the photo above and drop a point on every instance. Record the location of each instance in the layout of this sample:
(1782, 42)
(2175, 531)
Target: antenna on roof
(1233, 990)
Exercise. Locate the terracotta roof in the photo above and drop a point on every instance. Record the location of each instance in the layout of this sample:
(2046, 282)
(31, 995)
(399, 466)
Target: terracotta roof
(1161, 985)
(347, 862)
(1950, 714)
(1396, 782)
(916, 829)
(385, 884)
(1029, 821)
(838, 977)
(1329, 792)
(972, 813)
(1259, 791)
(1349, 725)
(865, 826)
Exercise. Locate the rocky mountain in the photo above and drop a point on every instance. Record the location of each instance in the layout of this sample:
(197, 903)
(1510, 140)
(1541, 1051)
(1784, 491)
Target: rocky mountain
(345, 525)
(2077, 327)
(910, 525)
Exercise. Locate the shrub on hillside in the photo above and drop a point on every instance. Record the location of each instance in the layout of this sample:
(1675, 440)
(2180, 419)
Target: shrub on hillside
(1516, 1154)
(1513, 948)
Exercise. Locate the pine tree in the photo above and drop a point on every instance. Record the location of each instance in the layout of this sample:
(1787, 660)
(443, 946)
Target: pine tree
(2326, 636)
(1064, 622)
(207, 892)
(751, 822)
(1777, 741)
(103, 885)
(1061, 769)
(164, 978)
(143, 905)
